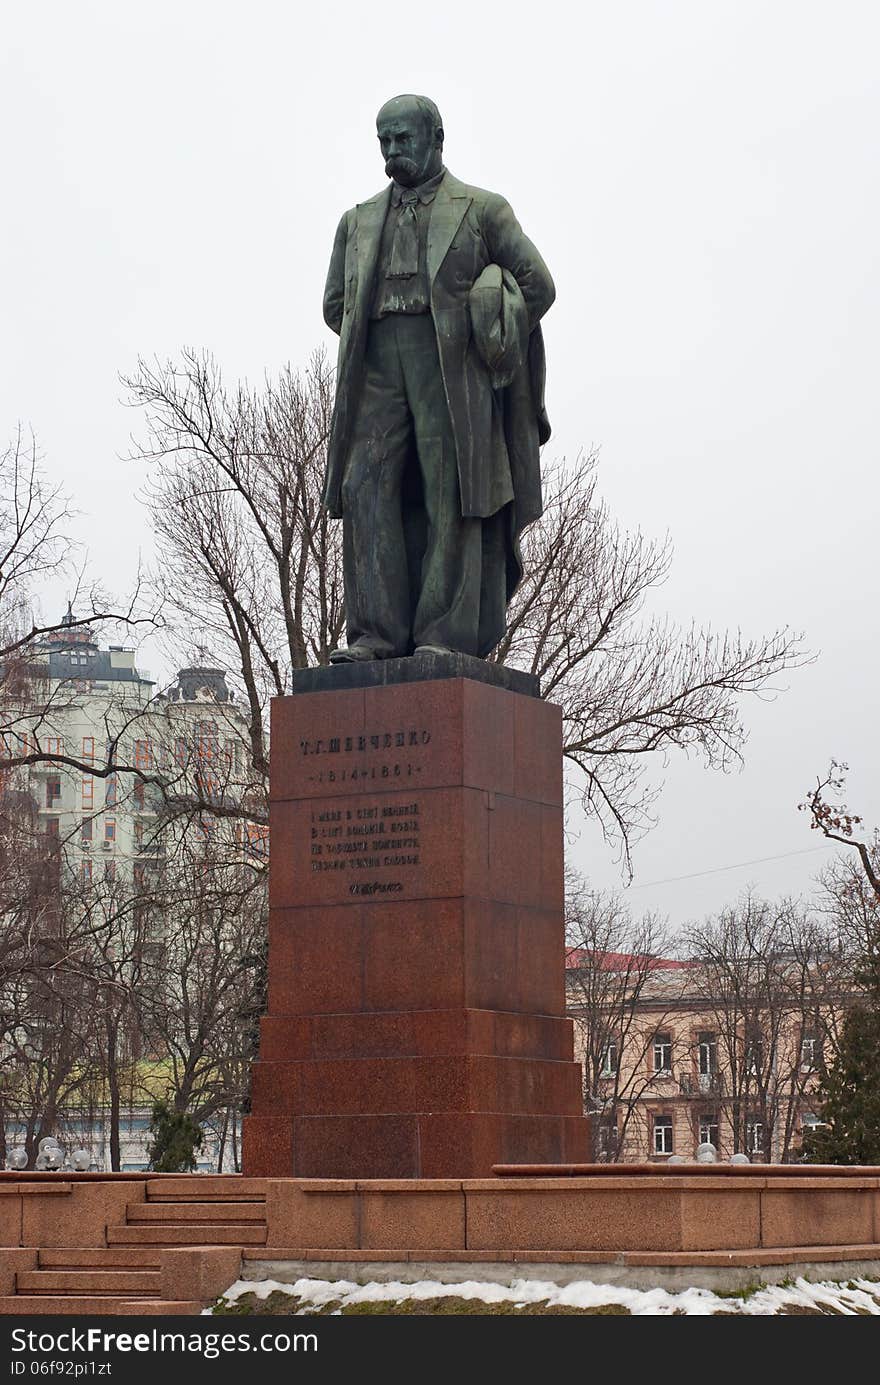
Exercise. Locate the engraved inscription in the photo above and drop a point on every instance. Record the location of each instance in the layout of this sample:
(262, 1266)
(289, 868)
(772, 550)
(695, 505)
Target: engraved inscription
(370, 837)
(359, 758)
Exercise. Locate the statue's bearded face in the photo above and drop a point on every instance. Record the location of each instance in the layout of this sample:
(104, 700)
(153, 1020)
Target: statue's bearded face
(408, 142)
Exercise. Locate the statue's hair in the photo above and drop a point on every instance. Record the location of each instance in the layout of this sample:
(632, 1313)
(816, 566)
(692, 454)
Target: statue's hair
(425, 105)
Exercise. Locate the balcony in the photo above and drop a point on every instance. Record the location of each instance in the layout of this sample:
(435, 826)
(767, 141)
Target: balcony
(701, 1084)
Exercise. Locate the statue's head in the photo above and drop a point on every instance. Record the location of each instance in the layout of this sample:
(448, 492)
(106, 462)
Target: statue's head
(411, 139)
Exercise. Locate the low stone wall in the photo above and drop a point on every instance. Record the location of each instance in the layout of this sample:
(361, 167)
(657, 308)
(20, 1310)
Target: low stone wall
(637, 1209)
(597, 1209)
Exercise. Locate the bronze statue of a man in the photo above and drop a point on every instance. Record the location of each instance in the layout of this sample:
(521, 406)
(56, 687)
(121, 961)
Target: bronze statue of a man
(437, 296)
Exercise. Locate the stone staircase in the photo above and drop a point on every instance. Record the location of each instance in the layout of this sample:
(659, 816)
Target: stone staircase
(174, 1253)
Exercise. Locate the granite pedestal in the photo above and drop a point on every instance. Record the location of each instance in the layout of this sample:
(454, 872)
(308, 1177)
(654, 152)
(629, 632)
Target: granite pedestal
(416, 1024)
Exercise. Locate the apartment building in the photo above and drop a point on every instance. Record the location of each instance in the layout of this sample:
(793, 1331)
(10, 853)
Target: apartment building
(93, 706)
(93, 818)
(675, 1063)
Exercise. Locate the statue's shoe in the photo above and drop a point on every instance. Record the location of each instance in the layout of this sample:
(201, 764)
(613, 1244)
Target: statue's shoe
(431, 649)
(354, 654)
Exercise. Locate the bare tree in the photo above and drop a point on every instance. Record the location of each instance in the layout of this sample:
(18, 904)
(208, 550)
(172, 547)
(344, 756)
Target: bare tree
(209, 918)
(250, 559)
(35, 546)
(620, 996)
(770, 982)
(247, 553)
(633, 688)
(838, 824)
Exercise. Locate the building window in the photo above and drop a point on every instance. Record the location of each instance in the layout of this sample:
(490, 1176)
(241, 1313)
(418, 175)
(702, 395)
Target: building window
(206, 785)
(88, 791)
(258, 838)
(180, 752)
(111, 791)
(206, 732)
(707, 1130)
(53, 790)
(86, 832)
(88, 752)
(53, 829)
(754, 1054)
(110, 830)
(608, 1059)
(809, 1052)
(755, 1137)
(110, 871)
(143, 754)
(707, 1054)
(608, 1141)
(139, 793)
(662, 1134)
(54, 746)
(662, 1053)
(86, 870)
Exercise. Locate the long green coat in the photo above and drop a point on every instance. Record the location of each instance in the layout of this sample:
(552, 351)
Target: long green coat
(497, 432)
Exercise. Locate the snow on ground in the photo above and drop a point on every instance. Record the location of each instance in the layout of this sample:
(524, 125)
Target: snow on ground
(854, 1298)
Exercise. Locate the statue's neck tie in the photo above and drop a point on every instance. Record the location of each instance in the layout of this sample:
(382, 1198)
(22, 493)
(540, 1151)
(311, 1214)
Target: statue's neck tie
(405, 246)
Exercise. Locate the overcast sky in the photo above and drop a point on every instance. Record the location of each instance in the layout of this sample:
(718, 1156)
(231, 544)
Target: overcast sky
(702, 180)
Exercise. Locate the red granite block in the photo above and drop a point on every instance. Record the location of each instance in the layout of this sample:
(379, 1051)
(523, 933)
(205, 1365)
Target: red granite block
(416, 1033)
(516, 1035)
(373, 1146)
(488, 737)
(393, 1218)
(276, 1087)
(390, 1085)
(516, 1085)
(540, 960)
(298, 725)
(490, 955)
(450, 1141)
(537, 758)
(286, 1037)
(315, 960)
(552, 859)
(515, 851)
(429, 712)
(413, 955)
(437, 850)
(514, 958)
(577, 1140)
(267, 1145)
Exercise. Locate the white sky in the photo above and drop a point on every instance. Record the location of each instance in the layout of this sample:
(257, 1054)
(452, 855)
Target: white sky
(702, 180)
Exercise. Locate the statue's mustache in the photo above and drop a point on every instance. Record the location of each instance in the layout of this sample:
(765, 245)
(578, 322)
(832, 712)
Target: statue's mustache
(399, 163)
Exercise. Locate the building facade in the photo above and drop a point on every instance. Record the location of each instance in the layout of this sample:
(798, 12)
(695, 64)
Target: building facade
(674, 1065)
(133, 783)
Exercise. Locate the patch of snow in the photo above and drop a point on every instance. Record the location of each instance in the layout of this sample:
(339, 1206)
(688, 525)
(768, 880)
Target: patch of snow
(853, 1298)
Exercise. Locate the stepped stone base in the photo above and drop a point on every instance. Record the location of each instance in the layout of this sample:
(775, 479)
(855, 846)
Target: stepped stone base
(416, 1024)
(640, 1224)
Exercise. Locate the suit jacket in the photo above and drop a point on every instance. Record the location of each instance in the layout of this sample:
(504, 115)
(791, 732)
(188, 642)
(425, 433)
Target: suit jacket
(497, 432)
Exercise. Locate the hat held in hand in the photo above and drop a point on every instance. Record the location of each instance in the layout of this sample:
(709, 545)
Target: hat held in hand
(499, 323)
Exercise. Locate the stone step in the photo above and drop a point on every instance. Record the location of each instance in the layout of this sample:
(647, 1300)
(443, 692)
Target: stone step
(118, 1282)
(111, 1257)
(225, 1212)
(194, 1234)
(205, 1187)
(20, 1305)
